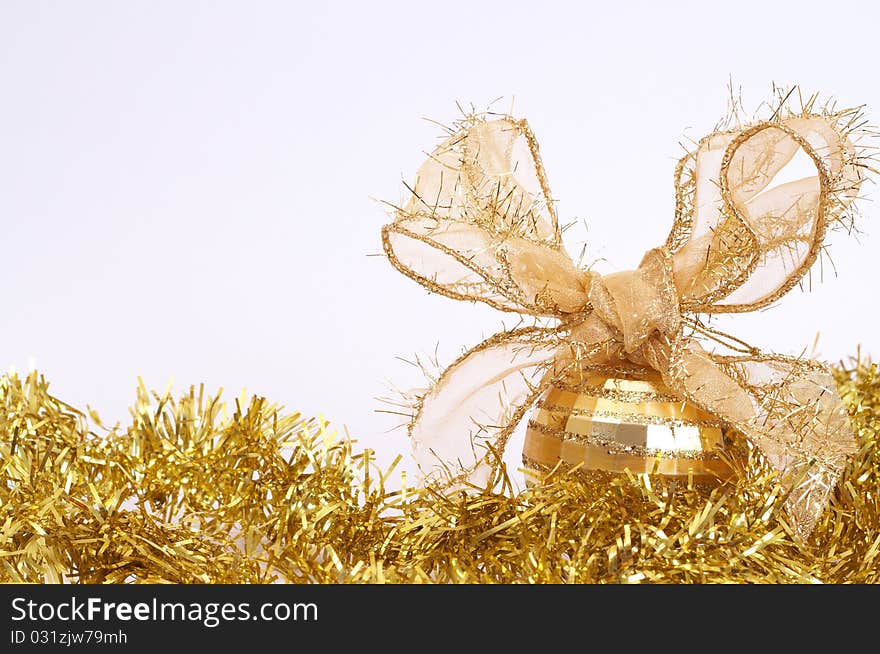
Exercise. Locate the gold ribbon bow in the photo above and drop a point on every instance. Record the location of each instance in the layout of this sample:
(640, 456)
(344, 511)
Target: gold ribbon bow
(480, 225)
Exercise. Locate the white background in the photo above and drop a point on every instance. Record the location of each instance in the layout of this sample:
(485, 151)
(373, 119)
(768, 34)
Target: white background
(185, 186)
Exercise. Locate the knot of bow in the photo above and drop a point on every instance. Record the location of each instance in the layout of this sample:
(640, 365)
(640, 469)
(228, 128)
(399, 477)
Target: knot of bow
(479, 225)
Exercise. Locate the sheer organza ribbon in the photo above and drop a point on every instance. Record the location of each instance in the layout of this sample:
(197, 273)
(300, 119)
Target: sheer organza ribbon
(480, 225)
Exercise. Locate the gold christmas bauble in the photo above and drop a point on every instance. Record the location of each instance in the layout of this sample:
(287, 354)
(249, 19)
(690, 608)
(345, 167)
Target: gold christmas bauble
(624, 419)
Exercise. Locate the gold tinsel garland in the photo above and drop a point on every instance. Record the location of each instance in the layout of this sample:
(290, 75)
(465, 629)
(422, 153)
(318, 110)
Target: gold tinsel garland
(189, 493)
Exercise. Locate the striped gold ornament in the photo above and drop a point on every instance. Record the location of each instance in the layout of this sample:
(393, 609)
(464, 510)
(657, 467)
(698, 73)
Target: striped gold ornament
(624, 419)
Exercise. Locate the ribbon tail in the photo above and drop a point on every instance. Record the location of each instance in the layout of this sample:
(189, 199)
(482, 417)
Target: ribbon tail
(801, 425)
(465, 419)
(788, 408)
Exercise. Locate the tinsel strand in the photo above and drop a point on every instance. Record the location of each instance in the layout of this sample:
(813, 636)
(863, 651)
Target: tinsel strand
(194, 491)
